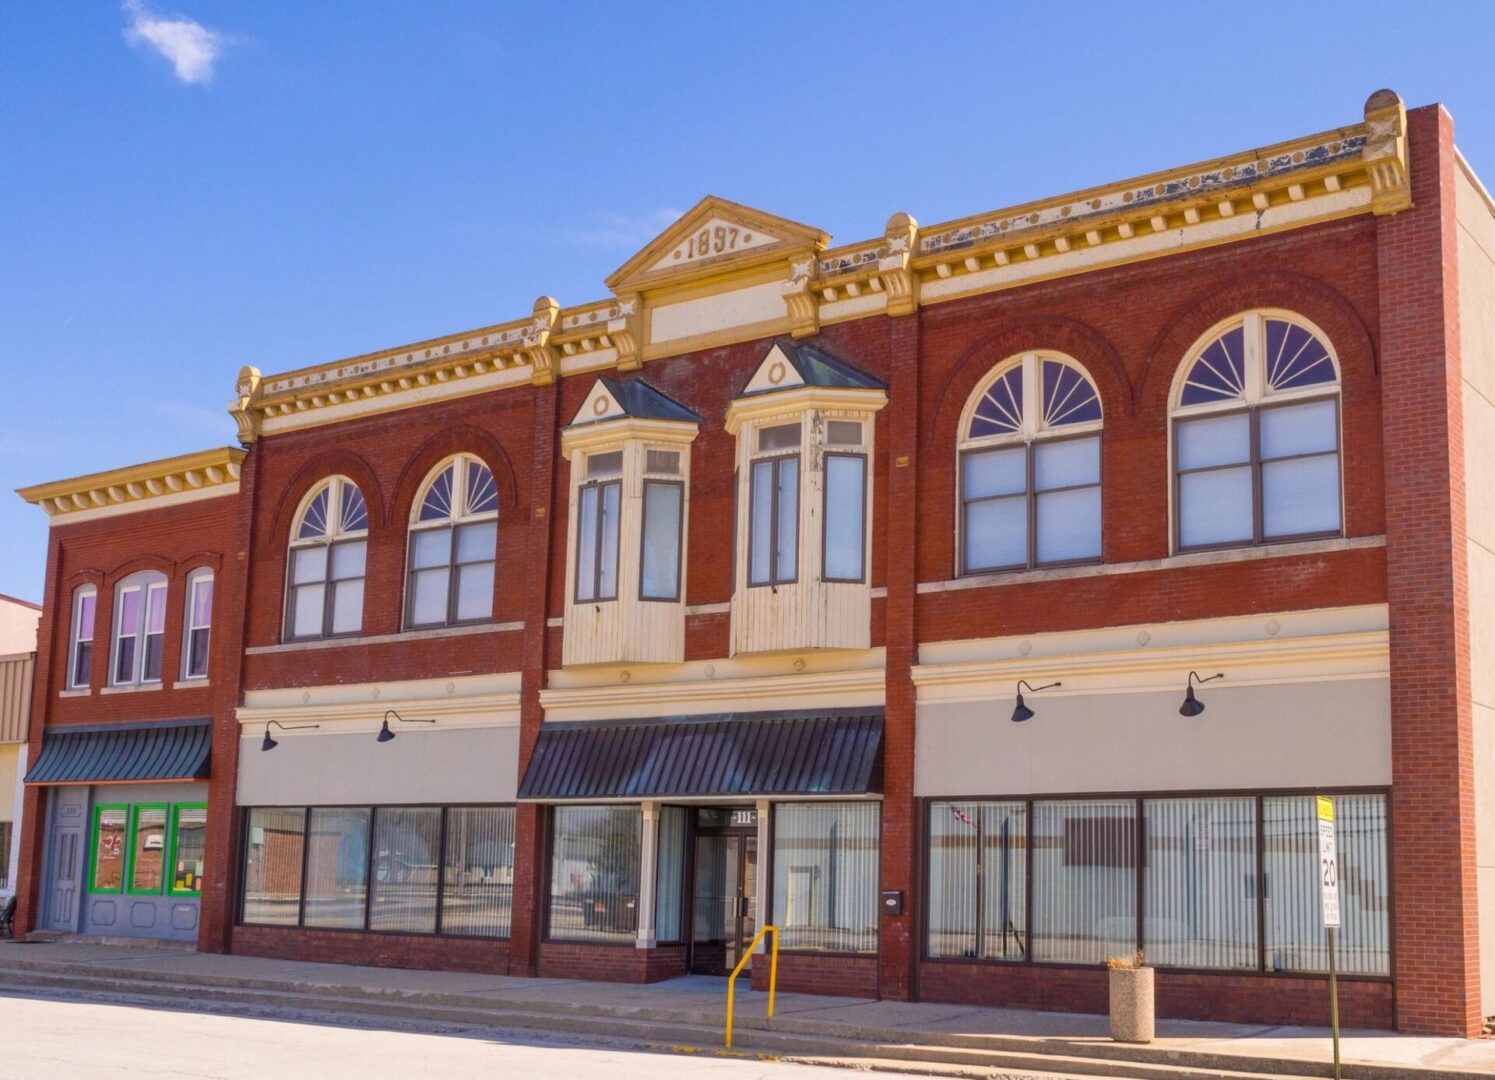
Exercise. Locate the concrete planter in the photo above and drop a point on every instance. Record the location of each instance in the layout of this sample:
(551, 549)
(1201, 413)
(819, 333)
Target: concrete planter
(1132, 1010)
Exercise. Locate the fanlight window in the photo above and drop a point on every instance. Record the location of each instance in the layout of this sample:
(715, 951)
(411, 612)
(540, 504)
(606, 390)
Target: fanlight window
(453, 543)
(1030, 468)
(1256, 435)
(329, 546)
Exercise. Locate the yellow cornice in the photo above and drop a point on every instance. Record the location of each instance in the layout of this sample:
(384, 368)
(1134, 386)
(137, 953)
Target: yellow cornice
(859, 399)
(190, 475)
(622, 428)
(1357, 169)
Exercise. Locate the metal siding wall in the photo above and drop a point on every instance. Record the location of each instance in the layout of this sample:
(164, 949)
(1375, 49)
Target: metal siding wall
(15, 697)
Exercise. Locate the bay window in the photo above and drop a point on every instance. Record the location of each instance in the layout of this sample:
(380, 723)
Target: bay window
(599, 502)
(664, 510)
(773, 550)
(1030, 467)
(139, 629)
(1256, 436)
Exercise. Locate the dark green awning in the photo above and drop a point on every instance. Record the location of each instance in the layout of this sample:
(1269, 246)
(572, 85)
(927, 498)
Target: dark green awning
(823, 753)
(124, 753)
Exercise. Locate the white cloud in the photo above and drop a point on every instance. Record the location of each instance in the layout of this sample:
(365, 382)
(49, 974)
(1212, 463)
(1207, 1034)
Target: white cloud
(620, 230)
(191, 47)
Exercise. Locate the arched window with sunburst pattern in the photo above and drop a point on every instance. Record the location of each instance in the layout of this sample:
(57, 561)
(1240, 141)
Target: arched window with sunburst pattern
(329, 543)
(1256, 440)
(1029, 467)
(453, 544)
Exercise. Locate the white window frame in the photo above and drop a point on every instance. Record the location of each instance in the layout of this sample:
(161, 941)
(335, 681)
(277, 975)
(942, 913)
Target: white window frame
(334, 535)
(1032, 431)
(453, 522)
(76, 638)
(195, 580)
(775, 459)
(1256, 395)
(598, 538)
(152, 587)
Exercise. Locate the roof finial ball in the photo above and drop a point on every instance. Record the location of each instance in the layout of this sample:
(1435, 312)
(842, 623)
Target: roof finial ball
(1382, 99)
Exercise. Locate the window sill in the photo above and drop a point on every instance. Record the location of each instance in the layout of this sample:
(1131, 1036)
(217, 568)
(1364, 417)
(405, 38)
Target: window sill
(134, 688)
(996, 579)
(384, 639)
(193, 684)
(80, 691)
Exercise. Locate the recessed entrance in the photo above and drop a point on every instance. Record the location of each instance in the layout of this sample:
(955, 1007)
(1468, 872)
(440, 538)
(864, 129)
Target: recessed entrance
(724, 900)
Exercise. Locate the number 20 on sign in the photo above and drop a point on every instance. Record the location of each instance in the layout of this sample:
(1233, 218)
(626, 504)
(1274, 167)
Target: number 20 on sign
(1328, 862)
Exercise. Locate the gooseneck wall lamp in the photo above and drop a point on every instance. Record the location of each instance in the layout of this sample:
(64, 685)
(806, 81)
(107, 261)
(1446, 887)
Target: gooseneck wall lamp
(1022, 712)
(1192, 706)
(385, 734)
(268, 743)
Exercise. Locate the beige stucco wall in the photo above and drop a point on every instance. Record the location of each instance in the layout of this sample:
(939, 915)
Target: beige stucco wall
(1335, 733)
(1476, 250)
(17, 627)
(477, 765)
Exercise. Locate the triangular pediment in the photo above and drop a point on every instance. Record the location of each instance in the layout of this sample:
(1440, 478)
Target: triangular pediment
(777, 372)
(713, 234)
(601, 404)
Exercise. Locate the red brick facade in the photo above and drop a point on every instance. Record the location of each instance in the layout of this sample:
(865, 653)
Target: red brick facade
(1383, 289)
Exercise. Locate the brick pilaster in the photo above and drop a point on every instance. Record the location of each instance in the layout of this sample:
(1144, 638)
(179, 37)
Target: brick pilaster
(1434, 916)
(898, 937)
(31, 843)
(529, 873)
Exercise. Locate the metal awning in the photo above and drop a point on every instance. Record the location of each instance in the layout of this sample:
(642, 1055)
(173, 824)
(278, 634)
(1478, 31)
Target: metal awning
(124, 753)
(830, 752)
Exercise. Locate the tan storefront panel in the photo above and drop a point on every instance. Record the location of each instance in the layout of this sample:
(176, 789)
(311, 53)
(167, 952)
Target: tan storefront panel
(15, 697)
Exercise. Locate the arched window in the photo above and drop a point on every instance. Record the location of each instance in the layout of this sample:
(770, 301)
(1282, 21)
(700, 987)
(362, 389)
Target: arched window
(80, 666)
(453, 540)
(329, 546)
(1256, 435)
(1030, 467)
(139, 628)
(197, 624)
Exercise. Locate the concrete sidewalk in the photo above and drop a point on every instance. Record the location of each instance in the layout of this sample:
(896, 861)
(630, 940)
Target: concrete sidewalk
(696, 1004)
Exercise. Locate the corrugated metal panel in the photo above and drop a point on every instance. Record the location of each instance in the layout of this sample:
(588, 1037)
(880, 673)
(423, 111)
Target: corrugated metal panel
(835, 752)
(15, 696)
(114, 753)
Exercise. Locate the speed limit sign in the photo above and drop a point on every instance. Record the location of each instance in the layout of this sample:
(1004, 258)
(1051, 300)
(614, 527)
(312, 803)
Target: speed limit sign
(1328, 862)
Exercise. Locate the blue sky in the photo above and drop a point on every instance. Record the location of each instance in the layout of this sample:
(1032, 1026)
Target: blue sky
(196, 185)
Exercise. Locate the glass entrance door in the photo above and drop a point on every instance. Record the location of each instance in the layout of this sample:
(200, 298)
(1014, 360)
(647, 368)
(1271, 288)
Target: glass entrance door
(725, 910)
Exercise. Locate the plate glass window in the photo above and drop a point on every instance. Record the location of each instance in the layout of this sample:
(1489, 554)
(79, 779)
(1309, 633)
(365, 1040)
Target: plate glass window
(189, 827)
(147, 849)
(453, 546)
(107, 871)
(197, 624)
(825, 858)
(594, 873)
(80, 667)
(139, 629)
(1030, 485)
(1256, 436)
(329, 546)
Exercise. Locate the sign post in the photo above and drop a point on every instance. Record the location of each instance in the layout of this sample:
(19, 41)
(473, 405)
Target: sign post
(1329, 883)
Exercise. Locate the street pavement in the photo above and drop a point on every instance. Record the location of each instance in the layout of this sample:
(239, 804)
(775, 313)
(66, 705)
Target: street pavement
(52, 1039)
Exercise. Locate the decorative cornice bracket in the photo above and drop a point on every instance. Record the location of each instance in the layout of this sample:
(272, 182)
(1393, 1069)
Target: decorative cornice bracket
(1385, 153)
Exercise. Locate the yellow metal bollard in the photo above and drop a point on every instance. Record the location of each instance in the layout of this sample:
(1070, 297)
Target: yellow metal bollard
(773, 976)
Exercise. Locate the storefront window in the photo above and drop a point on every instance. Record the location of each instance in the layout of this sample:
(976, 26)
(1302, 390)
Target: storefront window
(188, 836)
(978, 878)
(1291, 896)
(1203, 896)
(274, 848)
(594, 873)
(406, 842)
(671, 874)
(108, 874)
(337, 867)
(478, 894)
(147, 849)
(825, 875)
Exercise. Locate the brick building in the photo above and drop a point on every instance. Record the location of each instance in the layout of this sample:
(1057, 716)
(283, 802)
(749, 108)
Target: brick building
(872, 591)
